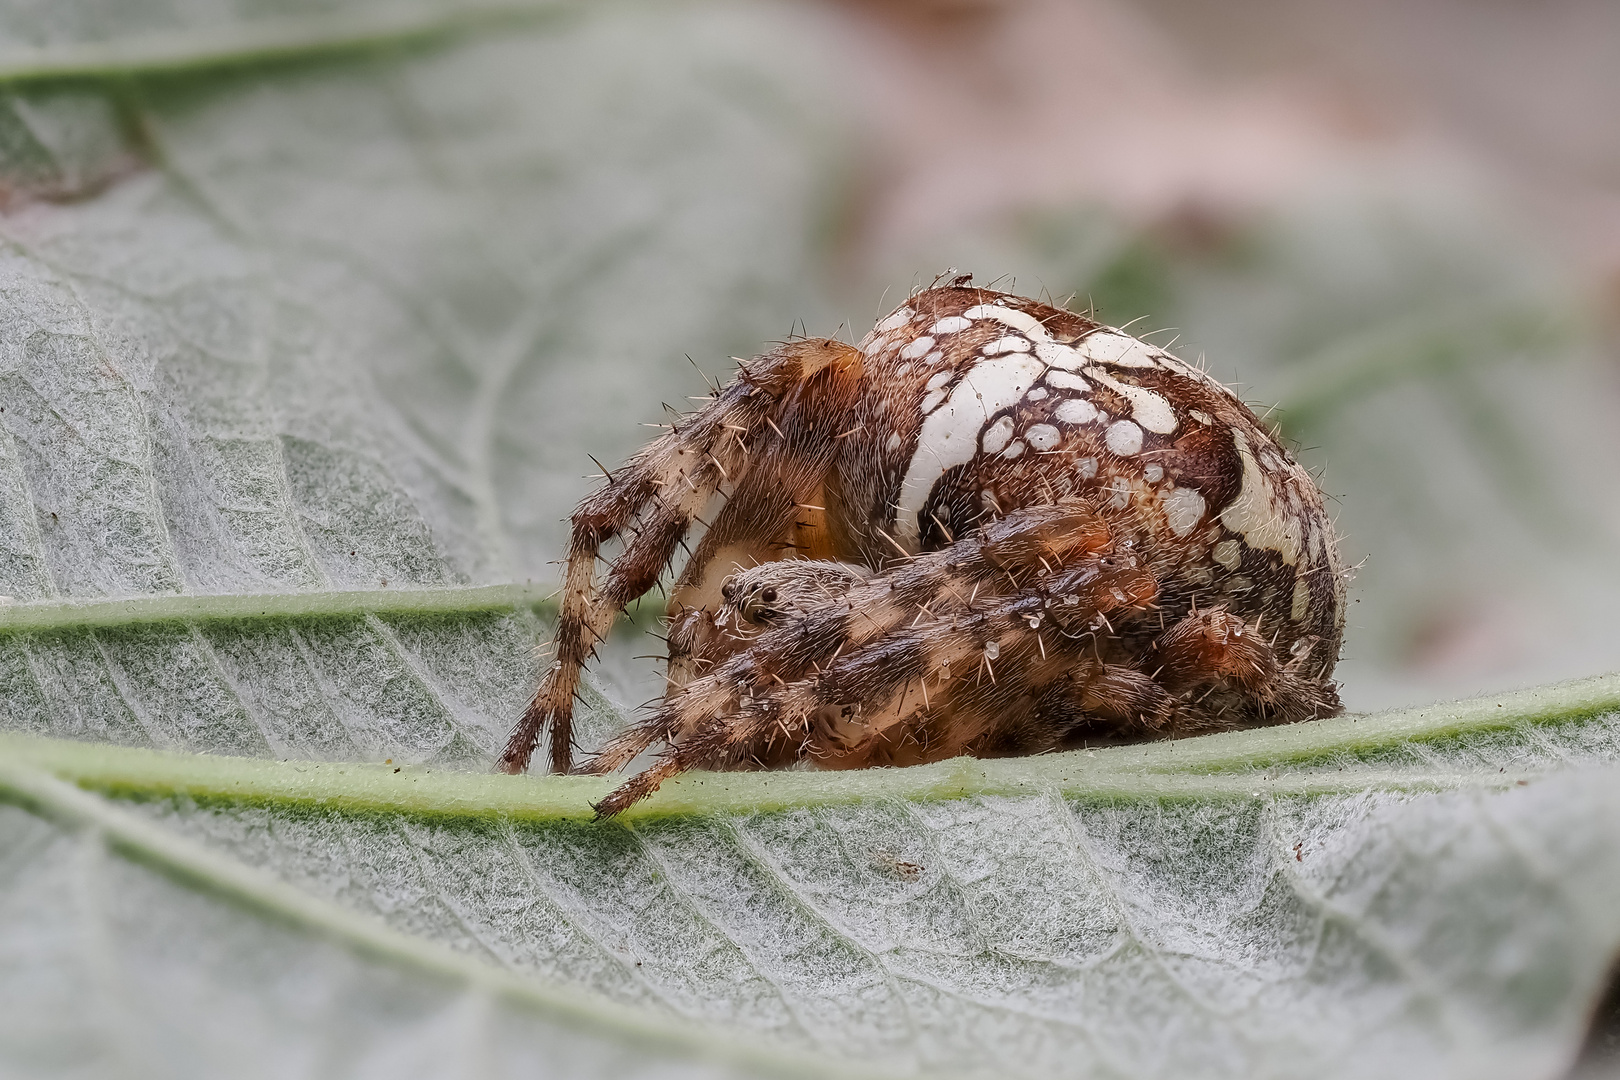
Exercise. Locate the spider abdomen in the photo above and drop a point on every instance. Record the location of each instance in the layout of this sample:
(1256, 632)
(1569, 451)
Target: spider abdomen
(983, 403)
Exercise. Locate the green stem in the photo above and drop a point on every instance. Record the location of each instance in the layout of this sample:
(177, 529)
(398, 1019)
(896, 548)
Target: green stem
(234, 607)
(1229, 765)
(127, 611)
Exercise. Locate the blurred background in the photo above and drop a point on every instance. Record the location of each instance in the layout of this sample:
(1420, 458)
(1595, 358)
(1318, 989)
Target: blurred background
(478, 242)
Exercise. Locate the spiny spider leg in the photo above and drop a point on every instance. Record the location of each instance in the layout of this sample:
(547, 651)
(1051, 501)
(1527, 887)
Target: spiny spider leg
(842, 610)
(753, 599)
(1215, 648)
(665, 486)
(848, 682)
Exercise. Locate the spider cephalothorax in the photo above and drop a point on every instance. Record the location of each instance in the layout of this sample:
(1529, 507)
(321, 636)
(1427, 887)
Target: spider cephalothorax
(994, 527)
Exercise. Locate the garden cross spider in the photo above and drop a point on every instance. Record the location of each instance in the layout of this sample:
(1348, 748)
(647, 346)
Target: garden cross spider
(994, 527)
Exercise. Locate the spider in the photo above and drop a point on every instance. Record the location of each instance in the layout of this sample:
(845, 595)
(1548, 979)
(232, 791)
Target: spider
(994, 527)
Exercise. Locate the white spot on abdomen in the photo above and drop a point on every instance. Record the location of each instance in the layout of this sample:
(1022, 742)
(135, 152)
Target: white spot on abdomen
(1301, 600)
(997, 435)
(1256, 514)
(953, 324)
(1183, 509)
(1058, 354)
(1149, 407)
(1021, 321)
(950, 434)
(1010, 343)
(917, 349)
(895, 321)
(1113, 347)
(1043, 437)
(1075, 411)
(1124, 438)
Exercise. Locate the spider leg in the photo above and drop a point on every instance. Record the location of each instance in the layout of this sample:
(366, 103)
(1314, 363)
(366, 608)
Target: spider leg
(753, 600)
(968, 618)
(719, 741)
(659, 493)
(1230, 673)
(622, 749)
(765, 505)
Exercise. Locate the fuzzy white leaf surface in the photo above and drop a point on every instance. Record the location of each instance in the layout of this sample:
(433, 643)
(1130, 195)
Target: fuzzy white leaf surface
(309, 316)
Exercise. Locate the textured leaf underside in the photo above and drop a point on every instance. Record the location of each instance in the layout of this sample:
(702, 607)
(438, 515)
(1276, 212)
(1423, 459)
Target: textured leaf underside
(305, 311)
(1424, 892)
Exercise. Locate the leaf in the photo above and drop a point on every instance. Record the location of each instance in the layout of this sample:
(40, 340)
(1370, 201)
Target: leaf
(132, 951)
(308, 316)
(1276, 902)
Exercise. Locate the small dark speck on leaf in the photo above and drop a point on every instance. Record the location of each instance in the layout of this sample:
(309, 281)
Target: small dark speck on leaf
(385, 583)
(1299, 851)
(396, 768)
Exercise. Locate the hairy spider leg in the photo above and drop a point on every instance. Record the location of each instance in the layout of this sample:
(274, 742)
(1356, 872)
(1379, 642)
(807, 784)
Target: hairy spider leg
(851, 618)
(988, 647)
(662, 489)
(981, 644)
(1213, 648)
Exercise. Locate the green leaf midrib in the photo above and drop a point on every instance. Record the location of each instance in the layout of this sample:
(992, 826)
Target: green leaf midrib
(104, 612)
(118, 611)
(1226, 766)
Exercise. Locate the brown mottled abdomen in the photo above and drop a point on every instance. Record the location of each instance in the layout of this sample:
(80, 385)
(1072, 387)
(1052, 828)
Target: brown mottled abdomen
(983, 403)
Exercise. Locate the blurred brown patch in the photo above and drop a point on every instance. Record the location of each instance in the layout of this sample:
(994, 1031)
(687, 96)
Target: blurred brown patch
(1600, 1053)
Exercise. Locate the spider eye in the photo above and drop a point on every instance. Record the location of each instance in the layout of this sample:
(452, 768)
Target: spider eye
(768, 596)
(729, 589)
